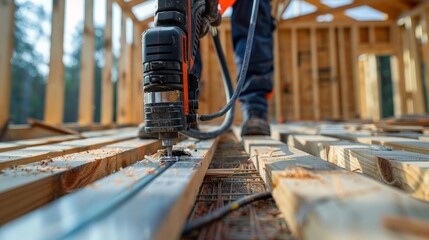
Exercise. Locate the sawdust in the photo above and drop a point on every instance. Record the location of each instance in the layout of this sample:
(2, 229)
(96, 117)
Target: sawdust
(298, 173)
(151, 171)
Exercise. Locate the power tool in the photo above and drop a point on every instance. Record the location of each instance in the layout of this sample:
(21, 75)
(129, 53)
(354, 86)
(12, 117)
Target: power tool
(170, 87)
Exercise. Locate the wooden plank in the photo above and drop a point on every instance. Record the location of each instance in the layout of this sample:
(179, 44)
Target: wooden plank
(31, 186)
(343, 73)
(333, 74)
(322, 201)
(137, 76)
(277, 78)
(406, 170)
(107, 84)
(315, 73)
(121, 109)
(7, 12)
(295, 76)
(54, 101)
(86, 86)
(157, 210)
(33, 154)
(13, 145)
(425, 51)
(354, 38)
(59, 129)
(396, 143)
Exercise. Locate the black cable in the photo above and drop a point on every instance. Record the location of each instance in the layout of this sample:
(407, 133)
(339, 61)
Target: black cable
(245, 66)
(221, 212)
(226, 124)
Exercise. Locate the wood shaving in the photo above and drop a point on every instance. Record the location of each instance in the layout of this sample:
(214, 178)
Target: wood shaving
(298, 173)
(151, 171)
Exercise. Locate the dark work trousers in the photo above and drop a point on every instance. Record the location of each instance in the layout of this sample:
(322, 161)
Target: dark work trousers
(258, 84)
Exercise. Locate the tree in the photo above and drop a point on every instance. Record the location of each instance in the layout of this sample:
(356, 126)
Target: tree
(28, 81)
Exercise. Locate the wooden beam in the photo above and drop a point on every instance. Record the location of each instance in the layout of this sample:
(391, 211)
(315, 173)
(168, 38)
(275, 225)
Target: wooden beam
(417, 85)
(137, 75)
(277, 77)
(406, 170)
(107, 84)
(334, 74)
(426, 51)
(163, 193)
(59, 129)
(281, 8)
(315, 73)
(54, 101)
(122, 69)
(310, 191)
(7, 13)
(321, 6)
(343, 74)
(333, 11)
(133, 3)
(354, 38)
(12, 159)
(86, 86)
(295, 75)
(36, 184)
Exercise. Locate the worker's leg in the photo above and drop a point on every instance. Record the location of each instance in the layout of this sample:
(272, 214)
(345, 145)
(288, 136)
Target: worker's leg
(259, 76)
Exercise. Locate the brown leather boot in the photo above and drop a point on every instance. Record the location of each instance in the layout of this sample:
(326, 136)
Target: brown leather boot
(255, 126)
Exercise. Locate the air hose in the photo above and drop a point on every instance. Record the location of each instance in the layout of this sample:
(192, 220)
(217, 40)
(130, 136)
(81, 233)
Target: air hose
(229, 107)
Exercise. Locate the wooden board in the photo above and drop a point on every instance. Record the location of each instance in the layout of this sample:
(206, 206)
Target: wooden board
(13, 145)
(30, 186)
(158, 211)
(322, 201)
(405, 170)
(397, 143)
(32, 154)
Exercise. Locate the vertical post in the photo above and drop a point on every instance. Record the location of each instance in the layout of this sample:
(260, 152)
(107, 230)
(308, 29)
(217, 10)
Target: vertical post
(277, 78)
(419, 103)
(426, 50)
(107, 84)
(343, 73)
(295, 76)
(355, 66)
(397, 66)
(334, 70)
(138, 114)
(121, 96)
(86, 86)
(315, 73)
(7, 19)
(54, 102)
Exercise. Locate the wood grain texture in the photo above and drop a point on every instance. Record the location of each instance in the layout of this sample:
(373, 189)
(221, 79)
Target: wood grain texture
(107, 84)
(7, 11)
(158, 211)
(406, 170)
(33, 154)
(54, 101)
(322, 201)
(30, 186)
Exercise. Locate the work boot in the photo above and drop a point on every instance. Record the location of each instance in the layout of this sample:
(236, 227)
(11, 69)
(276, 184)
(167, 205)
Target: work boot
(256, 126)
(145, 135)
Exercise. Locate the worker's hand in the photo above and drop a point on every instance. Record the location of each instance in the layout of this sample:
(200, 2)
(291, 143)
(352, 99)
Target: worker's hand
(211, 17)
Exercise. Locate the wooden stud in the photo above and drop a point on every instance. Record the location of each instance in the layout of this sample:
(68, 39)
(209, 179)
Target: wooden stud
(355, 66)
(86, 87)
(34, 154)
(309, 190)
(333, 75)
(54, 101)
(7, 19)
(343, 73)
(315, 73)
(277, 78)
(121, 85)
(417, 85)
(107, 84)
(137, 75)
(35, 185)
(426, 50)
(295, 75)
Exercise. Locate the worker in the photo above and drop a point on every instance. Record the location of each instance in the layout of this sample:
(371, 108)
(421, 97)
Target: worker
(258, 84)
